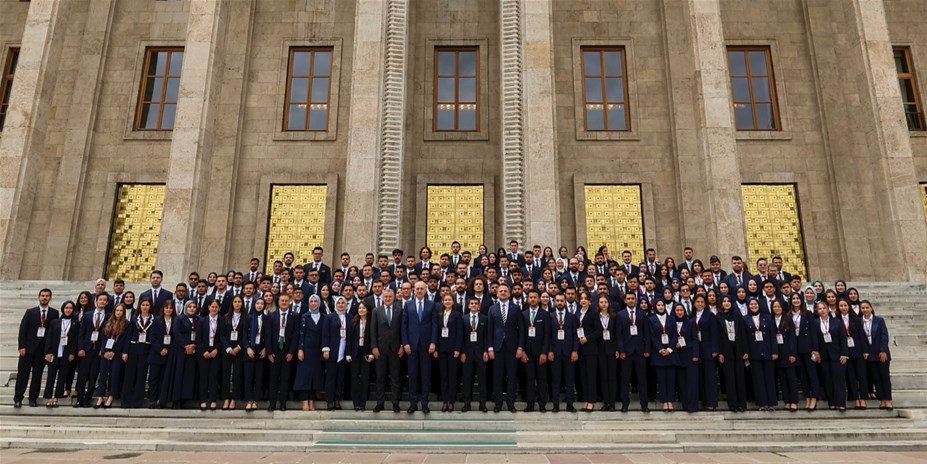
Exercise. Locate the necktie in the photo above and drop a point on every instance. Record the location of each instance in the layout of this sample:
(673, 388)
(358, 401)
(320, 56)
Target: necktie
(505, 313)
(378, 301)
(460, 300)
(96, 321)
(473, 321)
(738, 279)
(118, 299)
(155, 294)
(42, 319)
(283, 325)
(200, 306)
(389, 316)
(560, 317)
(631, 313)
(247, 305)
(533, 314)
(420, 310)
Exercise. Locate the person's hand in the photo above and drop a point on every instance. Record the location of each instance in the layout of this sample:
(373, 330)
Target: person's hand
(574, 356)
(463, 358)
(792, 359)
(542, 359)
(49, 358)
(456, 354)
(646, 354)
(289, 357)
(81, 353)
(125, 358)
(883, 357)
(434, 355)
(22, 352)
(408, 349)
(70, 357)
(271, 358)
(746, 357)
(485, 357)
(431, 348)
(326, 355)
(550, 356)
(843, 360)
(163, 352)
(721, 358)
(302, 355)
(492, 355)
(376, 353)
(622, 356)
(775, 357)
(263, 353)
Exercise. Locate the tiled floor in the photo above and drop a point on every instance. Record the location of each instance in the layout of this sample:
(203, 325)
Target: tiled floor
(19, 456)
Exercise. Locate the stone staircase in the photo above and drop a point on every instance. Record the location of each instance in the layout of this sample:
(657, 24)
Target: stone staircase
(191, 430)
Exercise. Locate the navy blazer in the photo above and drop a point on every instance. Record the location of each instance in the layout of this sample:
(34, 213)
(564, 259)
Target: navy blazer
(805, 339)
(731, 280)
(331, 335)
(454, 333)
(540, 343)
(352, 346)
(477, 348)
(133, 345)
(29, 329)
(685, 354)
(163, 295)
(569, 344)
(86, 329)
(156, 334)
(310, 335)
(879, 343)
(53, 338)
(242, 329)
(763, 349)
(764, 303)
(789, 345)
(253, 332)
(418, 334)
(732, 350)
(202, 336)
(119, 343)
(627, 343)
(290, 334)
(608, 347)
(656, 340)
(707, 326)
(592, 329)
(504, 336)
(855, 331)
(838, 340)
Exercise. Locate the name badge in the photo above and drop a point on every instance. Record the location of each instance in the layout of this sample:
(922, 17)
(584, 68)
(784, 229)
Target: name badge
(40, 332)
(192, 337)
(758, 336)
(797, 331)
(167, 340)
(851, 343)
(699, 336)
(94, 336)
(869, 337)
(234, 336)
(664, 339)
(445, 332)
(473, 337)
(282, 332)
(827, 338)
(143, 338)
(580, 333)
(779, 339)
(681, 341)
(531, 332)
(561, 335)
(257, 339)
(110, 343)
(606, 335)
(360, 341)
(340, 333)
(633, 330)
(212, 341)
(64, 340)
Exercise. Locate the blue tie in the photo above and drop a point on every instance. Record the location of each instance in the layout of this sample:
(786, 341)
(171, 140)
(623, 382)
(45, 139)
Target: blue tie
(420, 310)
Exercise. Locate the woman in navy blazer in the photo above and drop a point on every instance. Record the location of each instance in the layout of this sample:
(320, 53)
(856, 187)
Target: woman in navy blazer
(256, 360)
(334, 334)
(234, 328)
(687, 350)
(832, 339)
(857, 384)
(763, 351)
(591, 331)
(663, 340)
(160, 335)
(608, 353)
(788, 355)
(60, 351)
(733, 352)
(447, 350)
(706, 327)
(878, 356)
(806, 348)
(180, 372)
(208, 343)
(309, 374)
(360, 357)
(114, 337)
(135, 356)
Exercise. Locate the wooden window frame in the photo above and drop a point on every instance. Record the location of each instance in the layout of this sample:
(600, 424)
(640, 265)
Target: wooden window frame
(289, 82)
(911, 75)
(603, 77)
(456, 77)
(7, 80)
(149, 52)
(773, 97)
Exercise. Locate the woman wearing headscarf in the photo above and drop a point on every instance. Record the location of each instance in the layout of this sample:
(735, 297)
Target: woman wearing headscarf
(309, 374)
(180, 372)
(763, 351)
(334, 350)
(687, 352)
(809, 298)
(256, 360)
(663, 356)
(60, 352)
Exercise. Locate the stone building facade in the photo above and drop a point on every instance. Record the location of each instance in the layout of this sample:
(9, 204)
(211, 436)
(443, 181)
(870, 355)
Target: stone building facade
(842, 140)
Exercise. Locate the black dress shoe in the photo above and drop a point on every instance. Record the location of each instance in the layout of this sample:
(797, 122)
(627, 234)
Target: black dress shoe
(570, 408)
(271, 408)
(645, 410)
(529, 408)
(624, 409)
(497, 408)
(338, 405)
(78, 404)
(444, 407)
(483, 408)
(282, 407)
(33, 403)
(331, 406)
(411, 409)
(396, 407)
(542, 408)
(18, 404)
(556, 408)
(466, 407)
(378, 407)
(425, 409)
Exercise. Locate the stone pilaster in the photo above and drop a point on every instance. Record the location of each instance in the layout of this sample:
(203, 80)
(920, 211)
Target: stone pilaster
(360, 215)
(82, 114)
(192, 141)
(389, 191)
(511, 26)
(540, 134)
(22, 144)
(706, 159)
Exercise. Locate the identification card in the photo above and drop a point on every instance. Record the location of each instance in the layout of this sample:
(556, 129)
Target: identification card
(282, 332)
(561, 335)
(94, 336)
(531, 332)
(192, 336)
(360, 341)
(143, 338)
(779, 339)
(167, 340)
(234, 336)
(110, 343)
(212, 341)
(257, 339)
(869, 337)
(682, 342)
(473, 337)
(606, 335)
(699, 336)
(851, 343)
(633, 330)
(64, 340)
(40, 332)
(340, 333)
(664, 339)
(580, 333)
(797, 331)
(827, 338)
(445, 332)
(758, 336)
(732, 336)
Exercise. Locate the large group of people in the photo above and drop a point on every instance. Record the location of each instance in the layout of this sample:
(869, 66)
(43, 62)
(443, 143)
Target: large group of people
(556, 330)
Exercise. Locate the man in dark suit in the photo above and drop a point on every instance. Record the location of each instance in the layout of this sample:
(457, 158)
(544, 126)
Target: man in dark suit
(325, 272)
(633, 349)
(88, 350)
(254, 271)
(629, 268)
(651, 265)
(282, 343)
(180, 296)
(564, 352)
(782, 275)
(119, 287)
(575, 277)
(386, 333)
(222, 295)
(156, 294)
(531, 271)
(738, 276)
(770, 295)
(503, 346)
(514, 255)
(425, 263)
(375, 298)
(474, 355)
(32, 348)
(535, 341)
(299, 280)
(418, 335)
(688, 255)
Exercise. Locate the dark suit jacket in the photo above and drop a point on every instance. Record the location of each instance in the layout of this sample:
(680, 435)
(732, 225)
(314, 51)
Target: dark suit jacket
(504, 336)
(569, 344)
(592, 329)
(87, 328)
(762, 349)
(415, 332)
(731, 280)
(806, 340)
(29, 329)
(540, 343)
(708, 327)
(385, 335)
(290, 334)
(202, 336)
(534, 274)
(53, 338)
(454, 339)
(225, 304)
(629, 344)
(470, 348)
(163, 295)
(331, 335)
(880, 339)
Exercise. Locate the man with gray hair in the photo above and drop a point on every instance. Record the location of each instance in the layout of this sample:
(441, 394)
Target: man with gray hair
(386, 333)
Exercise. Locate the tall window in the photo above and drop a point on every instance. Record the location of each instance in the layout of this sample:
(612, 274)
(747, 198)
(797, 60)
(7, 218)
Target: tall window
(8, 70)
(160, 85)
(605, 89)
(909, 96)
(308, 89)
(457, 88)
(754, 89)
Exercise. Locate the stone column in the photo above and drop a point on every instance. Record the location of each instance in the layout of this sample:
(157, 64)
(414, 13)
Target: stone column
(883, 226)
(23, 140)
(359, 225)
(541, 143)
(389, 191)
(707, 167)
(511, 26)
(78, 140)
(192, 140)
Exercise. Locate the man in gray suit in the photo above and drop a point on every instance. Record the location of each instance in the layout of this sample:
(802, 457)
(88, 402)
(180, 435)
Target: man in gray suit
(387, 347)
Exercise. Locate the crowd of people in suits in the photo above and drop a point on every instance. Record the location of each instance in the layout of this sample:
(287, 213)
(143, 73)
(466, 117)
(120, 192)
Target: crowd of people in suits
(553, 330)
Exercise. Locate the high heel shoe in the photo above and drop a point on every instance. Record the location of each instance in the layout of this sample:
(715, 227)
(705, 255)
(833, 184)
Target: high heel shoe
(109, 403)
(202, 406)
(232, 405)
(225, 405)
(212, 406)
(99, 404)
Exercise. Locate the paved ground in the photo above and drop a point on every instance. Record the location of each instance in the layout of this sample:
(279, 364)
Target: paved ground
(10, 456)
